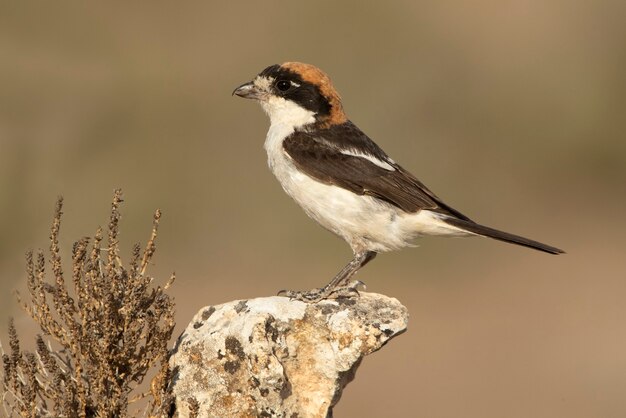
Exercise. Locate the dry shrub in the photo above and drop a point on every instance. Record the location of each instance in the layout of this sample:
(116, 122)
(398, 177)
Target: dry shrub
(110, 328)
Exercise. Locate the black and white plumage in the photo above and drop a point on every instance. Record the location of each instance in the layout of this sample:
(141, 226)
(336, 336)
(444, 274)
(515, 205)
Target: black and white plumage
(344, 180)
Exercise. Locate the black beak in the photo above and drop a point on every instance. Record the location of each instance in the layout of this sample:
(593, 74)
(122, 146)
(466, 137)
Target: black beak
(247, 91)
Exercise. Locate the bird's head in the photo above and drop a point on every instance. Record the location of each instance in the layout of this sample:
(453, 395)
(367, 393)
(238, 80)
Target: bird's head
(296, 94)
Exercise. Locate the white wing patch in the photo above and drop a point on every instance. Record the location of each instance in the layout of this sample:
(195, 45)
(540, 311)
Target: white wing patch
(370, 158)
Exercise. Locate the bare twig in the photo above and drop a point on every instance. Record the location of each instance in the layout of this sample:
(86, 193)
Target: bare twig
(112, 328)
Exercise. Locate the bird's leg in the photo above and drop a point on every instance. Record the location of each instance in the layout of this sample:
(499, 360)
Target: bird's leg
(338, 285)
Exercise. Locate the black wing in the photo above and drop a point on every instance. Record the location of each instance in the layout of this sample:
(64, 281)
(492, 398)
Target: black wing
(325, 156)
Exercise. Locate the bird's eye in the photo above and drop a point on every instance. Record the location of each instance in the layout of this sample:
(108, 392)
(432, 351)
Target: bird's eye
(283, 85)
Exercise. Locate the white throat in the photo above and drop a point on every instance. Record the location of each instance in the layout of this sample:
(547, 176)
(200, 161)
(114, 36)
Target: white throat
(285, 117)
(286, 112)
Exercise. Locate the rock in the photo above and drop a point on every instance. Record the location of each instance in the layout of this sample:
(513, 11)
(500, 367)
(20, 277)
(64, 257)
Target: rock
(275, 357)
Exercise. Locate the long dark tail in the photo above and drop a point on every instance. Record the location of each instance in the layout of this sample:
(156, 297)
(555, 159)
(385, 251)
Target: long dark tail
(500, 235)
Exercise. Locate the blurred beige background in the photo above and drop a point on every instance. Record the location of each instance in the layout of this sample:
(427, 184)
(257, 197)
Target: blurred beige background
(513, 112)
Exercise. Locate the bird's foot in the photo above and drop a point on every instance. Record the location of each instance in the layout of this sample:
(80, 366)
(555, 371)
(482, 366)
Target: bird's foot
(310, 296)
(316, 295)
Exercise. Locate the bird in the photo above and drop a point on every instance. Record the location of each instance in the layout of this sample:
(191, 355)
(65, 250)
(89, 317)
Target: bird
(344, 181)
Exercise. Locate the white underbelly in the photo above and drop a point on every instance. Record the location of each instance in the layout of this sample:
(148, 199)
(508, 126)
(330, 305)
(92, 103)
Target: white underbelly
(365, 222)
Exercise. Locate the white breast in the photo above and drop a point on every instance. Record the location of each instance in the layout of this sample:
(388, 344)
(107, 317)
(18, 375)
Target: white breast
(366, 223)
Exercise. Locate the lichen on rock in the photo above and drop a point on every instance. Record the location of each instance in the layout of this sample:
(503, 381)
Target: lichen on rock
(276, 357)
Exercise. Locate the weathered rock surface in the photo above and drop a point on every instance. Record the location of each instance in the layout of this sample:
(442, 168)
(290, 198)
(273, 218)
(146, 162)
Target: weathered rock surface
(274, 357)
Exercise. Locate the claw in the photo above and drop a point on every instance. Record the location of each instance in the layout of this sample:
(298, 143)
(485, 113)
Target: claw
(357, 285)
(350, 291)
(312, 296)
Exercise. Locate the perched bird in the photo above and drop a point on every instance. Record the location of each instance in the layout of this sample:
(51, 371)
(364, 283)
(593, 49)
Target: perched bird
(343, 180)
